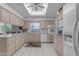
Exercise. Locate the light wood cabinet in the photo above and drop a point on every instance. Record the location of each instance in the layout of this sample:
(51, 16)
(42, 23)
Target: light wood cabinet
(50, 38)
(58, 40)
(3, 46)
(21, 22)
(33, 37)
(20, 40)
(18, 21)
(58, 44)
(12, 19)
(11, 46)
(45, 23)
(26, 24)
(0, 14)
(5, 16)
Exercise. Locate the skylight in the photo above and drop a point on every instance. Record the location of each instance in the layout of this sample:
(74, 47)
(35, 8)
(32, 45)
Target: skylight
(36, 8)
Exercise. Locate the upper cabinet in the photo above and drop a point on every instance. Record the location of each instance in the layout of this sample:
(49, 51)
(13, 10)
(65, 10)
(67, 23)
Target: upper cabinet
(22, 22)
(60, 17)
(19, 21)
(12, 19)
(0, 14)
(16, 20)
(5, 16)
(26, 24)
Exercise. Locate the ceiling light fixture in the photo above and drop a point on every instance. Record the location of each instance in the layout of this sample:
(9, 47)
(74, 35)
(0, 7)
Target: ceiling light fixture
(36, 8)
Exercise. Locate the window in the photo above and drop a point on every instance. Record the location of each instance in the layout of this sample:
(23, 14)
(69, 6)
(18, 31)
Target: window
(35, 27)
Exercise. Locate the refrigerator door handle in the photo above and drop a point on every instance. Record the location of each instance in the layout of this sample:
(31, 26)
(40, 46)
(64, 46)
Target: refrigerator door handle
(75, 37)
(78, 40)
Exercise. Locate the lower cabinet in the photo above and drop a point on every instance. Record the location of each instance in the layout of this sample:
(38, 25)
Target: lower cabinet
(50, 38)
(20, 40)
(33, 37)
(58, 43)
(9, 45)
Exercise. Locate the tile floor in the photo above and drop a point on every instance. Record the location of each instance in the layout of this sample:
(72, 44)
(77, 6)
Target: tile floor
(46, 49)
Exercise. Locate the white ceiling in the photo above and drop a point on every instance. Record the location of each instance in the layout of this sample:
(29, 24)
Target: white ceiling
(50, 13)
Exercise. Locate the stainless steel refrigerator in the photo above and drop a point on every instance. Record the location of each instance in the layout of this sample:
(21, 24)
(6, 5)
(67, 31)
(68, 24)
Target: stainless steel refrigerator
(71, 29)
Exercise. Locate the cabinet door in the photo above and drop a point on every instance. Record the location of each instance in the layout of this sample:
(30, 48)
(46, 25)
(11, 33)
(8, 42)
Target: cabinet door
(60, 46)
(22, 22)
(26, 24)
(50, 38)
(12, 19)
(0, 14)
(56, 42)
(11, 46)
(5, 16)
(17, 21)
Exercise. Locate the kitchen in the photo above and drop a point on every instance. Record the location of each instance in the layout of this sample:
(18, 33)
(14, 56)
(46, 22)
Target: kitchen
(23, 33)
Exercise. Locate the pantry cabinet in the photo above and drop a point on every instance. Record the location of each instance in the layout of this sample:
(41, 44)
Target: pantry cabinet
(5, 16)
(58, 39)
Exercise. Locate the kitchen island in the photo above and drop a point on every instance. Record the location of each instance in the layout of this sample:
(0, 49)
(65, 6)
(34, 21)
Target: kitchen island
(33, 37)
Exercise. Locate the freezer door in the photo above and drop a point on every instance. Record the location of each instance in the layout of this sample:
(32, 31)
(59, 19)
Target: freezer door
(76, 37)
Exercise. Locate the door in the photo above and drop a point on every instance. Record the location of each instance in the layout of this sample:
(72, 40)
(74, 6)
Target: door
(76, 37)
